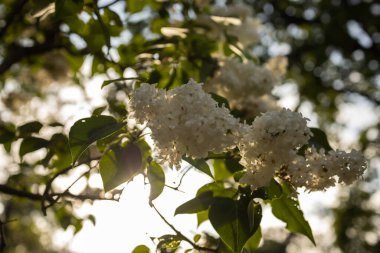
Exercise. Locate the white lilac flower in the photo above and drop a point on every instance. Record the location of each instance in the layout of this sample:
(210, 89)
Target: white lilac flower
(269, 147)
(271, 141)
(184, 121)
(245, 85)
(319, 171)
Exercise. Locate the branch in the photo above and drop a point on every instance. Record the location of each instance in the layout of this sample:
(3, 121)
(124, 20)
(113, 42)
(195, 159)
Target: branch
(16, 9)
(195, 246)
(47, 196)
(17, 53)
(38, 197)
(108, 5)
(19, 193)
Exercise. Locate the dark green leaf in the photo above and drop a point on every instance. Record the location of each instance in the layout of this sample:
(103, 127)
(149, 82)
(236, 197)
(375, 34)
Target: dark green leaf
(220, 100)
(230, 219)
(141, 249)
(31, 144)
(92, 219)
(29, 128)
(198, 204)
(7, 132)
(273, 190)
(200, 164)
(86, 131)
(67, 8)
(254, 215)
(107, 82)
(156, 178)
(59, 145)
(319, 140)
(120, 164)
(287, 210)
(99, 110)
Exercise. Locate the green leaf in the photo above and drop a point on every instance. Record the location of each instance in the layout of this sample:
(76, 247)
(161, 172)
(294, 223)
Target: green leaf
(225, 168)
(168, 243)
(287, 210)
(319, 140)
(31, 144)
(273, 190)
(230, 219)
(67, 8)
(29, 128)
(141, 249)
(255, 214)
(253, 242)
(86, 131)
(120, 164)
(218, 189)
(134, 6)
(107, 82)
(59, 145)
(202, 217)
(200, 164)
(7, 132)
(198, 204)
(220, 100)
(99, 110)
(197, 237)
(156, 178)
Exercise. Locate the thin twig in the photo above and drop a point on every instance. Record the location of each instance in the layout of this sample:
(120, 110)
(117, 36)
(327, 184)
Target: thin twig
(179, 234)
(108, 5)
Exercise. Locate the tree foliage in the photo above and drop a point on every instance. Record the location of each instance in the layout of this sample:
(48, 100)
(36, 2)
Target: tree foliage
(332, 49)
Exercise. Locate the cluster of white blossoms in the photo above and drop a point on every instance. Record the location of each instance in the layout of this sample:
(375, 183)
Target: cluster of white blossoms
(248, 86)
(269, 143)
(184, 121)
(318, 171)
(269, 147)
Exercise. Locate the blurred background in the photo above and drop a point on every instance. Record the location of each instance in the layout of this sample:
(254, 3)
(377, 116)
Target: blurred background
(52, 66)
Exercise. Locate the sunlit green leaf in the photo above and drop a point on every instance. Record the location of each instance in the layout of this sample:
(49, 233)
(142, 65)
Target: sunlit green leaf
(156, 178)
(86, 131)
(202, 217)
(141, 249)
(288, 210)
(218, 189)
(168, 243)
(135, 5)
(225, 168)
(253, 242)
(119, 165)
